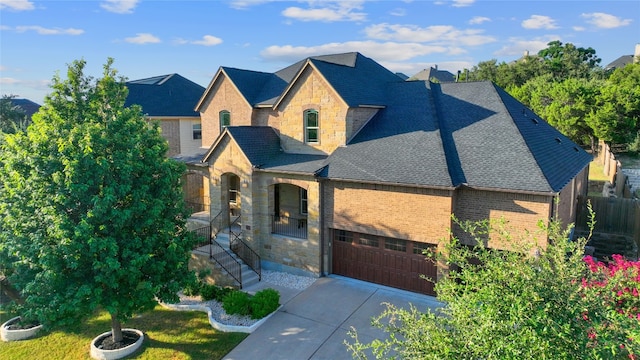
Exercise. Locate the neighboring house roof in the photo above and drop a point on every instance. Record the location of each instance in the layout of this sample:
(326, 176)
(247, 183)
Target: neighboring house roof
(433, 73)
(27, 105)
(166, 95)
(442, 135)
(620, 62)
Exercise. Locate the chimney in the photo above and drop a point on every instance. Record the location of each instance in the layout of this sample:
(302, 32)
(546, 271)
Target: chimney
(636, 56)
(436, 66)
(526, 53)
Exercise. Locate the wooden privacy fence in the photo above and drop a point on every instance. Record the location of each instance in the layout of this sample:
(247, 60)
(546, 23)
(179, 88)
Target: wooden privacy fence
(613, 216)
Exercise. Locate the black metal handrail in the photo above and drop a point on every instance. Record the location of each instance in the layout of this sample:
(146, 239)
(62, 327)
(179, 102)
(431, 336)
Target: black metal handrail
(203, 234)
(288, 226)
(227, 261)
(247, 254)
(216, 224)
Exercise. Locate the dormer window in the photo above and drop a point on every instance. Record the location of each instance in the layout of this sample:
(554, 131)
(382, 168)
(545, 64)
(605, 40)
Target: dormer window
(311, 126)
(225, 119)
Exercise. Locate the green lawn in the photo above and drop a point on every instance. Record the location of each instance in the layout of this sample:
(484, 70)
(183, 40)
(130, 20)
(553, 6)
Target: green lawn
(596, 171)
(169, 334)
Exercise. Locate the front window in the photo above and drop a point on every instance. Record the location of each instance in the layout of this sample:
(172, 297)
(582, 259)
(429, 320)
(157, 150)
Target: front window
(303, 201)
(197, 131)
(225, 119)
(311, 126)
(234, 185)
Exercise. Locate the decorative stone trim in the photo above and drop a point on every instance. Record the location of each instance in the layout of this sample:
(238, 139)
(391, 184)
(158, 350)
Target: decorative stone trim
(101, 354)
(20, 334)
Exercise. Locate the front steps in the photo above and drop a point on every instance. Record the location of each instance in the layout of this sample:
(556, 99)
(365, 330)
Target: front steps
(249, 277)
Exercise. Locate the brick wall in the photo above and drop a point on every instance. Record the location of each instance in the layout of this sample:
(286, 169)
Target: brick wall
(521, 211)
(405, 213)
(171, 131)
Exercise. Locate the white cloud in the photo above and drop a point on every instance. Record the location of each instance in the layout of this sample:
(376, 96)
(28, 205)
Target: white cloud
(390, 51)
(49, 31)
(398, 12)
(578, 28)
(462, 3)
(207, 40)
(9, 81)
(605, 21)
(539, 22)
(329, 11)
(436, 34)
(478, 20)
(518, 46)
(143, 38)
(119, 6)
(243, 4)
(18, 5)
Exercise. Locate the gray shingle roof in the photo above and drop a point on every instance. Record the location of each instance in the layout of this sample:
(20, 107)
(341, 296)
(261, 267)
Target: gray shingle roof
(620, 62)
(433, 73)
(401, 144)
(27, 105)
(166, 95)
(426, 134)
(261, 145)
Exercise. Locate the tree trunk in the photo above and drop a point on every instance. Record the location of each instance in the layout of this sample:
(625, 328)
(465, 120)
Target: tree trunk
(116, 328)
(7, 289)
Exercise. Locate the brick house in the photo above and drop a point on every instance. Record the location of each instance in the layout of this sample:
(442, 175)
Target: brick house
(170, 99)
(337, 165)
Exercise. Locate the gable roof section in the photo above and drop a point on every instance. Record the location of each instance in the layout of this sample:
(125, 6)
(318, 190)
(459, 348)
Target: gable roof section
(400, 145)
(166, 95)
(261, 146)
(499, 147)
(428, 74)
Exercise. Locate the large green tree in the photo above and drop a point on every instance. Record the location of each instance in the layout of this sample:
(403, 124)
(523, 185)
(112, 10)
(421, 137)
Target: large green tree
(615, 116)
(565, 61)
(91, 209)
(526, 303)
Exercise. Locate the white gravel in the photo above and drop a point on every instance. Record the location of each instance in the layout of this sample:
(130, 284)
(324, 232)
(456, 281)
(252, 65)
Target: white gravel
(271, 277)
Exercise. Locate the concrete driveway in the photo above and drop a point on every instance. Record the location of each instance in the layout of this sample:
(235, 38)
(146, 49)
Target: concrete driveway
(313, 323)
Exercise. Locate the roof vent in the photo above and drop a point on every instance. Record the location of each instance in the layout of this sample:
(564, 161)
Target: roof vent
(558, 140)
(576, 149)
(535, 121)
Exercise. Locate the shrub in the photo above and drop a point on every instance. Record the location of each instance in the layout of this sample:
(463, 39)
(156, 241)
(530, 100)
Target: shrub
(209, 292)
(193, 287)
(264, 302)
(237, 302)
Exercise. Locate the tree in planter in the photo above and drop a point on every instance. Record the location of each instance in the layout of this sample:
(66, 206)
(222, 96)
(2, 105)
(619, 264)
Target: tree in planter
(91, 209)
(510, 305)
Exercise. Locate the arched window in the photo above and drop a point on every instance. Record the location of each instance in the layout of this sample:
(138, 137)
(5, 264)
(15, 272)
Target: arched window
(311, 126)
(225, 119)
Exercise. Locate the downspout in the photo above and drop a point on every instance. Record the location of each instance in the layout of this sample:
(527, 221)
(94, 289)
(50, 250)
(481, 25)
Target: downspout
(321, 227)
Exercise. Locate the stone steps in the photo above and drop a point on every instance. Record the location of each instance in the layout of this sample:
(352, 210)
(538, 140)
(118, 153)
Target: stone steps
(249, 277)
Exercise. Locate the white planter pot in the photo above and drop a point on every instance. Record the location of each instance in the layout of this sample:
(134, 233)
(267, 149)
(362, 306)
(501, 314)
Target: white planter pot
(117, 353)
(15, 335)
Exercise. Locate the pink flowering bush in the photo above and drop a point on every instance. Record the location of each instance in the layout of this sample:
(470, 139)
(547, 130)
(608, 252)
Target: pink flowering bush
(614, 325)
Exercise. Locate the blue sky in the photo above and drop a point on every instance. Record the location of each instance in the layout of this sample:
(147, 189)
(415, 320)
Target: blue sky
(194, 38)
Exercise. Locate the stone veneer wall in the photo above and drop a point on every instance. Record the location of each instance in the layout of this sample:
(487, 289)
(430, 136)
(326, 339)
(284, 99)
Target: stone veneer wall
(225, 97)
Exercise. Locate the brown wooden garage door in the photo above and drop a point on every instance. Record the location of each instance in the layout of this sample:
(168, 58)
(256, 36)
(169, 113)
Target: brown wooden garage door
(382, 260)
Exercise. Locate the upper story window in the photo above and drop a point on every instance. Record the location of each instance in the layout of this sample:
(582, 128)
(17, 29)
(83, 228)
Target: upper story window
(311, 126)
(197, 131)
(225, 119)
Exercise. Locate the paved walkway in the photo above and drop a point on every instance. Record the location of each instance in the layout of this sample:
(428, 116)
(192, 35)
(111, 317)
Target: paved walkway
(313, 323)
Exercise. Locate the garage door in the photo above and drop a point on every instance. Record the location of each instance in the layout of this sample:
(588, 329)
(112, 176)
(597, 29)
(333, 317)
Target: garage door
(387, 261)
